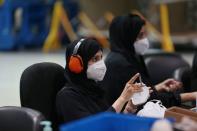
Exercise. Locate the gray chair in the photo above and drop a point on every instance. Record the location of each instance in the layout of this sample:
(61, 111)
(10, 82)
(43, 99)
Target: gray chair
(20, 119)
(183, 74)
(194, 74)
(161, 65)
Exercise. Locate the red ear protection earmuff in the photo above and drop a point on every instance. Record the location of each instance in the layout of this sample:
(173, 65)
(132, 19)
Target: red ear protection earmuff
(75, 64)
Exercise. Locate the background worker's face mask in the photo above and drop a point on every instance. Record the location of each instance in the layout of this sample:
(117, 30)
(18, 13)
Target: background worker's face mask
(96, 71)
(141, 46)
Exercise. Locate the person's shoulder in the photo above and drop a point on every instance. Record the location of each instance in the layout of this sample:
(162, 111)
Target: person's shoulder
(115, 56)
(67, 91)
(117, 59)
(67, 98)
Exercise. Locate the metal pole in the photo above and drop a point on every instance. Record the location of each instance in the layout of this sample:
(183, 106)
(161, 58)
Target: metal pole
(167, 44)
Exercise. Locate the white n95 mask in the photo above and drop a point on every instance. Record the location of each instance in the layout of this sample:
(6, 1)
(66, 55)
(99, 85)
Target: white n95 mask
(141, 97)
(96, 71)
(141, 46)
(153, 108)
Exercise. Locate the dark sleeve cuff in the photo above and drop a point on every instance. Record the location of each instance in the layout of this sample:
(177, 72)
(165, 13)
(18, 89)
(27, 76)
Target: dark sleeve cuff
(111, 109)
(177, 97)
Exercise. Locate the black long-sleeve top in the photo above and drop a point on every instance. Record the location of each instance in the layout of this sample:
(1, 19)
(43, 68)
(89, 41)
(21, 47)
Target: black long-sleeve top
(74, 103)
(121, 68)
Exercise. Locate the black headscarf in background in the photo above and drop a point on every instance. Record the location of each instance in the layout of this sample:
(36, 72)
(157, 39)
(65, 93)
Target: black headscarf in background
(88, 48)
(123, 32)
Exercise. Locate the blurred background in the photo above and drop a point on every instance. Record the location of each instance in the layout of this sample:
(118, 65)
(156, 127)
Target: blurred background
(33, 31)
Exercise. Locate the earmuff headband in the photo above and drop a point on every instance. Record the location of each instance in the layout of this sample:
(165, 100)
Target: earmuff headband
(77, 46)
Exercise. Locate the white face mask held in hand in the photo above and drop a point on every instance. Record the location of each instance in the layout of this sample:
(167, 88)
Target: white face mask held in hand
(141, 46)
(141, 97)
(96, 71)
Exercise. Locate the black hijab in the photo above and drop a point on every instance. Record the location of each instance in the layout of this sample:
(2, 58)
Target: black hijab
(123, 32)
(88, 48)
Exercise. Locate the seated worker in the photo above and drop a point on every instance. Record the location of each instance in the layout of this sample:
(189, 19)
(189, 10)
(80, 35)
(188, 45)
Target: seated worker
(129, 41)
(82, 96)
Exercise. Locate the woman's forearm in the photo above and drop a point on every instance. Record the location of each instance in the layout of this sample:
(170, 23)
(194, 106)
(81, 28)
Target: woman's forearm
(126, 94)
(188, 96)
(118, 104)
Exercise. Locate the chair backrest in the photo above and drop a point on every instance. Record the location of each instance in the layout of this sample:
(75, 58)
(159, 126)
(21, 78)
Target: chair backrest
(39, 85)
(162, 65)
(20, 119)
(194, 74)
(183, 74)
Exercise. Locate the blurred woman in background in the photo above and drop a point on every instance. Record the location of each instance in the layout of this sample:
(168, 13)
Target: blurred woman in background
(129, 41)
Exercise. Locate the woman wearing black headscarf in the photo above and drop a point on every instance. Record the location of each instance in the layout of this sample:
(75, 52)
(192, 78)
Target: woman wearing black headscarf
(128, 42)
(82, 96)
